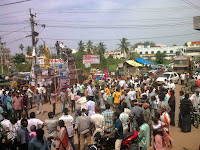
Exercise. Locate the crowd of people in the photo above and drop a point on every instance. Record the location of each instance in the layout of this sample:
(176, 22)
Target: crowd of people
(112, 108)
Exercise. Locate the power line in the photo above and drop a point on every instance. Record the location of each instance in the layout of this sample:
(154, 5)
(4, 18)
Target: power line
(191, 4)
(14, 31)
(14, 12)
(13, 41)
(178, 35)
(15, 3)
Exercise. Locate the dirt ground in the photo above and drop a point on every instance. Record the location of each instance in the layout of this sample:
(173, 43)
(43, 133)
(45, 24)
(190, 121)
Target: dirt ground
(181, 141)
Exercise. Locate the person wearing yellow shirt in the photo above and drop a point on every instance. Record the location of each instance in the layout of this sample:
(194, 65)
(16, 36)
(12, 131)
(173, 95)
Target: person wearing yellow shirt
(138, 92)
(116, 96)
(107, 90)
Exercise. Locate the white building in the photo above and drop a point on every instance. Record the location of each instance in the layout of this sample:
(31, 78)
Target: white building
(148, 51)
(193, 49)
(115, 54)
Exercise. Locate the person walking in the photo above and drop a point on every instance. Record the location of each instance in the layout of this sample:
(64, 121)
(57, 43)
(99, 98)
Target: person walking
(29, 92)
(53, 101)
(34, 121)
(186, 107)
(25, 102)
(9, 104)
(83, 126)
(39, 142)
(51, 125)
(17, 105)
(48, 92)
(172, 105)
(117, 131)
(63, 97)
(69, 122)
(182, 78)
(38, 100)
(23, 135)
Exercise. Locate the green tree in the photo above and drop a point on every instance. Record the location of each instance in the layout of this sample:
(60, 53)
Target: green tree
(174, 45)
(40, 50)
(101, 48)
(81, 46)
(110, 57)
(124, 46)
(89, 46)
(160, 57)
(21, 46)
(29, 50)
(19, 58)
(178, 53)
(134, 55)
(185, 44)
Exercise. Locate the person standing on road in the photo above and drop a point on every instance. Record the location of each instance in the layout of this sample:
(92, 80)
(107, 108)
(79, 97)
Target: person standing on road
(38, 100)
(9, 104)
(69, 122)
(48, 92)
(108, 116)
(51, 125)
(181, 94)
(53, 101)
(17, 105)
(34, 121)
(172, 105)
(182, 78)
(25, 102)
(29, 92)
(68, 96)
(63, 97)
(117, 131)
(90, 107)
(186, 107)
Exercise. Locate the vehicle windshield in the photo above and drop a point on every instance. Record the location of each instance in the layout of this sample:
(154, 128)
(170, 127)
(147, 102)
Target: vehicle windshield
(165, 75)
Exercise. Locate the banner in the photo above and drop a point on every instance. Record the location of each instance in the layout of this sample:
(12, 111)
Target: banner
(92, 59)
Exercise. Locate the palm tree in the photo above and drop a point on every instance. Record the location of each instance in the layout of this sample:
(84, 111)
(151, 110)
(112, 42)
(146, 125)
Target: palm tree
(89, 46)
(21, 46)
(101, 48)
(29, 50)
(124, 46)
(81, 46)
(40, 50)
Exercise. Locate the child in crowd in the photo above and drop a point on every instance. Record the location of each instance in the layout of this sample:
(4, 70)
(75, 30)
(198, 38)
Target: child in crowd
(33, 132)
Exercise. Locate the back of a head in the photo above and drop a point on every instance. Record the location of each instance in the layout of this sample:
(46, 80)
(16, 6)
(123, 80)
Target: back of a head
(33, 128)
(13, 120)
(23, 121)
(65, 111)
(61, 123)
(40, 134)
(140, 120)
(50, 114)
(116, 114)
(107, 106)
(97, 109)
(186, 95)
(32, 115)
(124, 104)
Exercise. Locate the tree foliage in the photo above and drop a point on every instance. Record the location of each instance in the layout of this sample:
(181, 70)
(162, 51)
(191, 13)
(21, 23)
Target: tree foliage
(124, 46)
(134, 55)
(160, 57)
(89, 46)
(19, 58)
(40, 50)
(21, 46)
(29, 50)
(81, 46)
(101, 48)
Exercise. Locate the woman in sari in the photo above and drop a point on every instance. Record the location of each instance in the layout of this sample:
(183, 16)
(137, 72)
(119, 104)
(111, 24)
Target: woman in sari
(165, 120)
(186, 107)
(157, 133)
(63, 143)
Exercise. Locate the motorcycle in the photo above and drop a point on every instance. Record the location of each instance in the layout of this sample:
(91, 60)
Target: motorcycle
(130, 142)
(196, 117)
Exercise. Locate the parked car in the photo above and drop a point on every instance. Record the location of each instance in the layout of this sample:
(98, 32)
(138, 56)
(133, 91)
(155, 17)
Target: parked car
(169, 76)
(155, 69)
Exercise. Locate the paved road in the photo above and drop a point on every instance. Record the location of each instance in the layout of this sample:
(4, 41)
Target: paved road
(182, 141)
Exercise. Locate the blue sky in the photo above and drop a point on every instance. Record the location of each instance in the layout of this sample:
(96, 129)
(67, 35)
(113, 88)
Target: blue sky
(100, 20)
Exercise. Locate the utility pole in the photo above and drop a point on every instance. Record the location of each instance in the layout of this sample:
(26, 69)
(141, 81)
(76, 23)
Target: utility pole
(34, 41)
(2, 56)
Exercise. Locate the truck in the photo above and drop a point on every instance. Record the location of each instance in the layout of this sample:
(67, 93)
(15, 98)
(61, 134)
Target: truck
(183, 65)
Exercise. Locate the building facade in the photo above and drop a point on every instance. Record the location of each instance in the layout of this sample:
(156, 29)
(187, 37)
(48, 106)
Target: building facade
(149, 52)
(115, 54)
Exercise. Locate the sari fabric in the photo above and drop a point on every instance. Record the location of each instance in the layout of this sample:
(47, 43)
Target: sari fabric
(64, 140)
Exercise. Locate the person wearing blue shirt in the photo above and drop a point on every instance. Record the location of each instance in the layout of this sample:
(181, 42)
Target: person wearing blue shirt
(117, 130)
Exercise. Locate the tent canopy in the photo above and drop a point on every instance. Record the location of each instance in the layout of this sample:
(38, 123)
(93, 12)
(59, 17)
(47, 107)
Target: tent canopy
(144, 61)
(133, 63)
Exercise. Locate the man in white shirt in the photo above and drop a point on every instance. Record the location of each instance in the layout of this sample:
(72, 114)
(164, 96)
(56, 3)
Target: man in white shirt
(39, 88)
(182, 78)
(90, 91)
(90, 107)
(124, 117)
(7, 125)
(99, 121)
(195, 98)
(171, 85)
(34, 121)
(69, 121)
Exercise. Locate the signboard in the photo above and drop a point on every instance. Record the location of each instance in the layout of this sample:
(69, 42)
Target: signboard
(92, 59)
(196, 23)
(63, 69)
(45, 72)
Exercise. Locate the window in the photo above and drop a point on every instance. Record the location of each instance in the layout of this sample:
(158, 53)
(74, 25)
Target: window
(146, 52)
(140, 53)
(152, 52)
(171, 52)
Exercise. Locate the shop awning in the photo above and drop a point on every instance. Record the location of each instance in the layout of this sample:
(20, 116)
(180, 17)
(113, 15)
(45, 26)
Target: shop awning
(144, 61)
(133, 63)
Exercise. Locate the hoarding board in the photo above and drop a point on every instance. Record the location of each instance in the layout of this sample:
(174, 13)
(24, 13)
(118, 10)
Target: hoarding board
(196, 23)
(92, 59)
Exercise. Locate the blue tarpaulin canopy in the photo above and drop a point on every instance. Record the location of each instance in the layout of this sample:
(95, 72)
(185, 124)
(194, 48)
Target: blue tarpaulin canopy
(144, 61)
